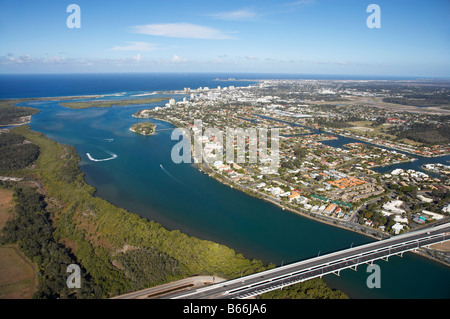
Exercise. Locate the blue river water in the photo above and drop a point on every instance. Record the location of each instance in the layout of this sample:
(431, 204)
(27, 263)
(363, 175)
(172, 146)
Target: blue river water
(139, 175)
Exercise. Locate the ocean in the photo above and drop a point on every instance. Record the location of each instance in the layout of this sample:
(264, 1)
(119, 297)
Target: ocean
(51, 85)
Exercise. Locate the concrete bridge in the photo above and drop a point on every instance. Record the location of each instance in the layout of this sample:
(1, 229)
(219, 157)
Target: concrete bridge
(258, 283)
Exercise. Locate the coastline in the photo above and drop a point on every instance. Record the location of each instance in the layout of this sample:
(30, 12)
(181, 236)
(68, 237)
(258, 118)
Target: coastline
(27, 120)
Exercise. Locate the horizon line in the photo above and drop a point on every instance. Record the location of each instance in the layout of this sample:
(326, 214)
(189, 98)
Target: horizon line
(237, 73)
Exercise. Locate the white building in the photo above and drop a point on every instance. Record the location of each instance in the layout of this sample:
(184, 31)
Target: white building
(397, 228)
(446, 209)
(394, 207)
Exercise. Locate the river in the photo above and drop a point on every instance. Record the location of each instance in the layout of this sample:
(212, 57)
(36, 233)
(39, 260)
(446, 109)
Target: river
(142, 178)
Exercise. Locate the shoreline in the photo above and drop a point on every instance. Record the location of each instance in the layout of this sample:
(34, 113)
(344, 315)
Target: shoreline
(292, 210)
(225, 181)
(28, 121)
(134, 131)
(320, 220)
(252, 192)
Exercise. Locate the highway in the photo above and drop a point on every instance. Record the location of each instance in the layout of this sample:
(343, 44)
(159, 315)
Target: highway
(255, 284)
(166, 289)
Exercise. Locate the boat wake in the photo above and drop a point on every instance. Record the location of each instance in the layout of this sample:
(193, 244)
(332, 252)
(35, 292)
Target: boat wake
(170, 175)
(100, 138)
(113, 156)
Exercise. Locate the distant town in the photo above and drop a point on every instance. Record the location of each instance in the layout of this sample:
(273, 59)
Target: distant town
(333, 136)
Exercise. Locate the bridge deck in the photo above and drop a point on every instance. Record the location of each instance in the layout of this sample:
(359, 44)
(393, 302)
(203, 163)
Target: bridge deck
(279, 277)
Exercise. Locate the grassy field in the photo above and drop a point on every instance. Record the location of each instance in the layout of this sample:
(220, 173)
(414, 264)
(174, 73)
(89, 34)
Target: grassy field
(6, 205)
(366, 127)
(17, 274)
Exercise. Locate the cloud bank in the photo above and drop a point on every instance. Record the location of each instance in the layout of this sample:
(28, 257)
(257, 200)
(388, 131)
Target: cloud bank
(181, 30)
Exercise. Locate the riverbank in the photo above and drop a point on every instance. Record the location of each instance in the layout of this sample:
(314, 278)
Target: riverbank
(23, 121)
(205, 168)
(322, 219)
(363, 230)
(96, 230)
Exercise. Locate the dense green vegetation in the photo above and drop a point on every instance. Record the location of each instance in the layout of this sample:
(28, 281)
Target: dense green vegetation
(334, 123)
(97, 232)
(435, 99)
(11, 114)
(311, 289)
(426, 133)
(131, 263)
(105, 103)
(14, 153)
(144, 128)
(415, 93)
(32, 230)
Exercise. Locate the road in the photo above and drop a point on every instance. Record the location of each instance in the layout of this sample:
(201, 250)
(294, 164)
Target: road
(165, 289)
(276, 278)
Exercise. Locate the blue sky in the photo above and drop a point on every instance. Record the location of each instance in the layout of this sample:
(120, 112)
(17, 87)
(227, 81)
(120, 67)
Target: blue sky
(297, 36)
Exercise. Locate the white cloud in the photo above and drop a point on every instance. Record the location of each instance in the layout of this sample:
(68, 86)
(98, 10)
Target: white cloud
(137, 58)
(10, 59)
(300, 3)
(181, 30)
(58, 61)
(55, 60)
(136, 46)
(177, 59)
(242, 14)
